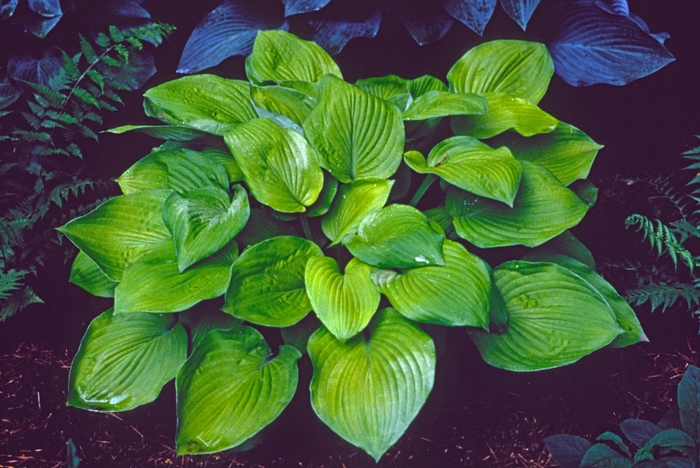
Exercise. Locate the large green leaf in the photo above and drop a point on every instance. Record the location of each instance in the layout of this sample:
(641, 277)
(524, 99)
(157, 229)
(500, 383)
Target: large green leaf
(344, 303)
(543, 209)
(124, 361)
(391, 88)
(397, 236)
(554, 318)
(225, 157)
(177, 169)
(472, 166)
(202, 221)
(424, 84)
(505, 113)
(519, 68)
(325, 198)
(352, 204)
(442, 103)
(267, 282)
(154, 283)
(368, 392)
(279, 166)
(230, 388)
(88, 275)
(279, 56)
(205, 102)
(356, 134)
(567, 151)
(287, 102)
(120, 230)
(454, 294)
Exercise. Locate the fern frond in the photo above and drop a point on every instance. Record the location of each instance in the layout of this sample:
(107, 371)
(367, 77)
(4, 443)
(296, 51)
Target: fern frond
(85, 96)
(70, 66)
(662, 239)
(32, 120)
(87, 49)
(10, 281)
(115, 34)
(663, 295)
(32, 136)
(18, 301)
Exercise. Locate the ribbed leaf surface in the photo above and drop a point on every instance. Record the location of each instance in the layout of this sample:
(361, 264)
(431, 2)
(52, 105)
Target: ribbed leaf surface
(543, 209)
(442, 103)
(356, 134)
(391, 88)
(124, 361)
(368, 392)
(454, 294)
(475, 14)
(287, 102)
(344, 302)
(88, 275)
(520, 69)
(279, 166)
(205, 102)
(471, 165)
(520, 10)
(554, 318)
(119, 231)
(267, 282)
(230, 388)
(297, 7)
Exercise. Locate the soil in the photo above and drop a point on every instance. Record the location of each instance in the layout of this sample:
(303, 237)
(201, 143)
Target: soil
(476, 416)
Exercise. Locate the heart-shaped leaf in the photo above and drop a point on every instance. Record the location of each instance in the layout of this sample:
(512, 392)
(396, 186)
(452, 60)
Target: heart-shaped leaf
(279, 56)
(352, 204)
(475, 14)
(120, 230)
(455, 294)
(520, 69)
(297, 7)
(230, 388)
(364, 138)
(88, 275)
(202, 221)
(344, 303)
(177, 169)
(154, 283)
(124, 361)
(597, 46)
(471, 165)
(542, 209)
(442, 103)
(397, 236)
(368, 392)
(267, 282)
(279, 166)
(287, 102)
(567, 152)
(205, 102)
(228, 30)
(505, 113)
(333, 35)
(520, 10)
(554, 318)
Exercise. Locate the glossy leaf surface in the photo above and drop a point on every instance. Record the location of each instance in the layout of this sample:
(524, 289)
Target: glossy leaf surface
(230, 388)
(287, 102)
(296, 7)
(267, 282)
(356, 134)
(455, 294)
(88, 275)
(124, 361)
(368, 392)
(520, 10)
(554, 318)
(441, 103)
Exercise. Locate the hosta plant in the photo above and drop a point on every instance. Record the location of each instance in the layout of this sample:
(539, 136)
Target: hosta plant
(295, 201)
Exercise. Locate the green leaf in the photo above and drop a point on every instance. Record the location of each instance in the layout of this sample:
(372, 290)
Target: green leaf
(279, 166)
(287, 102)
(325, 198)
(355, 134)
(200, 320)
(425, 84)
(689, 401)
(262, 226)
(225, 157)
(455, 294)
(564, 244)
(670, 440)
(369, 391)
(205, 102)
(280, 56)
(473, 166)
(177, 169)
(154, 282)
(352, 204)
(88, 275)
(602, 456)
(164, 132)
(344, 303)
(202, 221)
(519, 68)
(391, 88)
(442, 103)
(566, 151)
(267, 282)
(554, 318)
(542, 209)
(505, 113)
(397, 236)
(120, 230)
(124, 361)
(230, 388)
